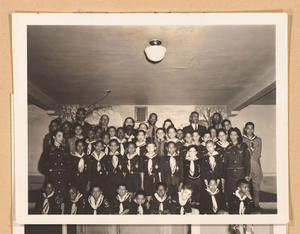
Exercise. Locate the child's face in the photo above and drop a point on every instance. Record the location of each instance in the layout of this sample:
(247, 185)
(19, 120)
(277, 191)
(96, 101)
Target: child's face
(171, 133)
(213, 133)
(121, 134)
(143, 127)
(99, 147)
(234, 136)
(249, 130)
(192, 152)
(80, 147)
(104, 120)
(78, 130)
(122, 190)
(222, 136)
(98, 133)
(212, 185)
(196, 136)
(96, 192)
(113, 147)
(243, 189)
(72, 193)
(227, 125)
(128, 122)
(140, 199)
(180, 134)
(90, 135)
(140, 136)
(48, 189)
(80, 116)
(188, 138)
(206, 137)
(152, 119)
(210, 147)
(150, 148)
(195, 118)
(186, 194)
(112, 132)
(161, 191)
(59, 137)
(167, 124)
(171, 148)
(129, 130)
(106, 139)
(53, 126)
(66, 128)
(131, 148)
(160, 134)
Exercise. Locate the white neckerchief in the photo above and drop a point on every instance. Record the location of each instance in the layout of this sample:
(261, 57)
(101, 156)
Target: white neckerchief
(150, 161)
(187, 144)
(203, 143)
(213, 199)
(212, 160)
(95, 204)
(139, 145)
(89, 147)
(172, 162)
(181, 141)
(215, 140)
(121, 200)
(250, 138)
(106, 149)
(45, 208)
(74, 206)
(161, 200)
(129, 138)
(140, 210)
(115, 159)
(130, 157)
(192, 164)
(121, 142)
(181, 203)
(242, 205)
(223, 145)
(175, 140)
(81, 161)
(98, 158)
(114, 137)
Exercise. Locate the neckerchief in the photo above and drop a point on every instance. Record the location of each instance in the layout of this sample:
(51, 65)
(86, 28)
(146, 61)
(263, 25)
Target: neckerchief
(129, 138)
(130, 157)
(140, 210)
(172, 162)
(161, 200)
(95, 204)
(250, 139)
(223, 145)
(192, 164)
(213, 199)
(203, 143)
(150, 161)
(98, 158)
(89, 147)
(121, 142)
(106, 149)
(74, 206)
(181, 203)
(175, 140)
(212, 160)
(121, 200)
(46, 206)
(139, 145)
(242, 205)
(115, 159)
(215, 140)
(81, 161)
(181, 141)
(187, 144)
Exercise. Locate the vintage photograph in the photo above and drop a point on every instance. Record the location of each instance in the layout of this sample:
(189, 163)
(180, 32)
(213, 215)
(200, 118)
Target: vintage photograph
(154, 119)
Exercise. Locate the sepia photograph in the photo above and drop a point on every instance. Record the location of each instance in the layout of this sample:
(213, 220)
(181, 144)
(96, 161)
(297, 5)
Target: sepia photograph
(159, 118)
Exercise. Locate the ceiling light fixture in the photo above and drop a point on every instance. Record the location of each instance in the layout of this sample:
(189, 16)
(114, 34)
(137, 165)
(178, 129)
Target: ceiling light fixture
(155, 52)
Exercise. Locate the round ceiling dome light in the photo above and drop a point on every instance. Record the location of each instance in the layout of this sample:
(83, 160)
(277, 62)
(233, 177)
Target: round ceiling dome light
(155, 52)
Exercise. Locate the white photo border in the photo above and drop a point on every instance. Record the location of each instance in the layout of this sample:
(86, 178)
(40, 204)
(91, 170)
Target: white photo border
(20, 21)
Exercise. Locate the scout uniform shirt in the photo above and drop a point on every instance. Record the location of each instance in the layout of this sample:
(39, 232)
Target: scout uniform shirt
(241, 205)
(192, 167)
(212, 202)
(135, 208)
(121, 204)
(160, 205)
(71, 143)
(180, 206)
(133, 169)
(76, 206)
(99, 206)
(53, 164)
(141, 148)
(212, 166)
(47, 204)
(98, 170)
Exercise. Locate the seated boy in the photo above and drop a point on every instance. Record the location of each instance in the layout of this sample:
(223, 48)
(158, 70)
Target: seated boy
(76, 203)
(172, 170)
(48, 202)
(141, 143)
(121, 203)
(159, 203)
(241, 201)
(139, 205)
(182, 202)
(188, 141)
(97, 203)
(79, 170)
(133, 168)
(212, 199)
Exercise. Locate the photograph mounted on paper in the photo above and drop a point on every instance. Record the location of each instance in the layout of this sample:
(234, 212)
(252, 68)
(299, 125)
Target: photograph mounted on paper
(183, 120)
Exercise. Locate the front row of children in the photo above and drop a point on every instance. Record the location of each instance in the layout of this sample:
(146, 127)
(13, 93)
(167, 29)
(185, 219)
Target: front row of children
(212, 201)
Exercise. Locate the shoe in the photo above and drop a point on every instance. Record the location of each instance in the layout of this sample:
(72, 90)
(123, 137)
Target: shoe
(258, 209)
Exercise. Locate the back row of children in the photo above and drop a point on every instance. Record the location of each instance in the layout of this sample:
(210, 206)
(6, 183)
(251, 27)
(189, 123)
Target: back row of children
(125, 156)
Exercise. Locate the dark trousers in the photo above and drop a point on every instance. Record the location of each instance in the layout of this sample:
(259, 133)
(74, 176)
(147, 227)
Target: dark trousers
(197, 186)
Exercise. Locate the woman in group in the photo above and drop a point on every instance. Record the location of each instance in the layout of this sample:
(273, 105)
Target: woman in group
(236, 160)
(167, 123)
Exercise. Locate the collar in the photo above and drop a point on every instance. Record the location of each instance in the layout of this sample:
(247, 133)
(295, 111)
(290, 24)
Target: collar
(213, 153)
(250, 138)
(172, 155)
(180, 199)
(175, 140)
(159, 198)
(50, 195)
(112, 154)
(125, 197)
(212, 193)
(187, 144)
(98, 157)
(129, 157)
(150, 156)
(79, 195)
(130, 137)
(78, 155)
(90, 142)
(203, 143)
(139, 144)
(121, 141)
(237, 193)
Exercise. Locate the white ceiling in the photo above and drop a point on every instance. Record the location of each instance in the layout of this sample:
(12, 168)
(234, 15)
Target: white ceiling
(207, 65)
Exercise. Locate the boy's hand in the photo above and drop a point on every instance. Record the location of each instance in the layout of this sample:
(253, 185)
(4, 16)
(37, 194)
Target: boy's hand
(248, 195)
